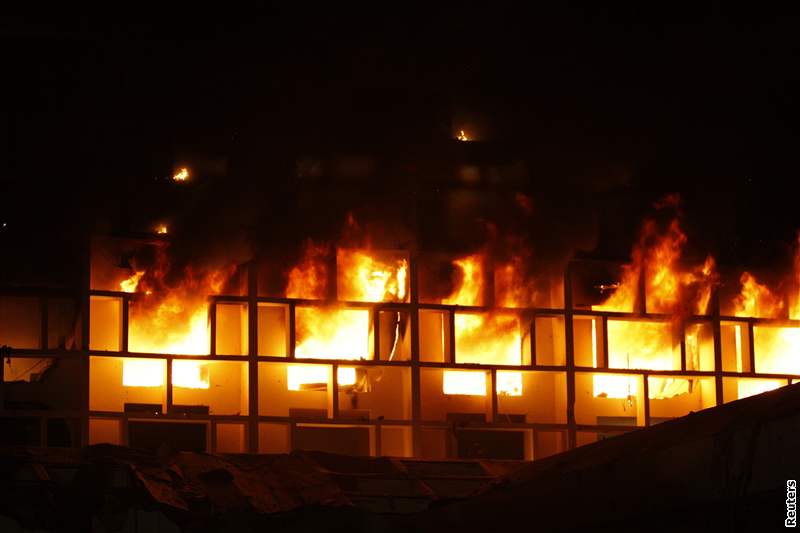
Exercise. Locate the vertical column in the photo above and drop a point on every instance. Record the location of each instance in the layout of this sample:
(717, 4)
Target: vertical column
(416, 400)
(641, 296)
(682, 340)
(4, 352)
(333, 392)
(715, 324)
(602, 360)
(252, 357)
(168, 385)
(450, 352)
(646, 399)
(569, 338)
(212, 324)
(375, 314)
(83, 385)
(491, 392)
(532, 339)
(751, 346)
(125, 324)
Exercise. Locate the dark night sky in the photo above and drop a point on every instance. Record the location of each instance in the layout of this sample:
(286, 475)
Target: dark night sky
(632, 103)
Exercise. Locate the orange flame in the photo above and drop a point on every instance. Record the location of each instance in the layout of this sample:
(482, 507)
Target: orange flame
(309, 278)
(130, 284)
(756, 300)
(174, 321)
(648, 345)
(470, 287)
(777, 349)
(181, 175)
(511, 287)
(483, 338)
(337, 333)
(363, 278)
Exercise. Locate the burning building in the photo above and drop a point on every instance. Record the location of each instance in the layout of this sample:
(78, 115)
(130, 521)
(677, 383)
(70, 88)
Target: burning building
(368, 351)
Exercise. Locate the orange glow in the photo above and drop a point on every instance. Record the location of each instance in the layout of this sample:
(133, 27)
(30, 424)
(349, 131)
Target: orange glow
(511, 287)
(324, 333)
(142, 372)
(794, 309)
(777, 349)
(190, 374)
(309, 278)
(751, 387)
(483, 338)
(650, 345)
(363, 278)
(487, 338)
(462, 136)
(756, 300)
(181, 175)
(130, 284)
(464, 382)
(162, 229)
(337, 333)
(473, 383)
(172, 320)
(299, 377)
(470, 287)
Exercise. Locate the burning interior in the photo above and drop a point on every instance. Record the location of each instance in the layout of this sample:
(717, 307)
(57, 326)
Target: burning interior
(366, 351)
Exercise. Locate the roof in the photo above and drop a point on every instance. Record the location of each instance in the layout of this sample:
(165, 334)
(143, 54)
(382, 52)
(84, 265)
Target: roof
(722, 467)
(189, 486)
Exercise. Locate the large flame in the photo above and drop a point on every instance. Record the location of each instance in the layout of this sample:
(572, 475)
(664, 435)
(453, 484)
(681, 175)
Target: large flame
(363, 278)
(512, 288)
(309, 278)
(649, 345)
(169, 320)
(777, 349)
(333, 332)
(469, 290)
(756, 300)
(483, 338)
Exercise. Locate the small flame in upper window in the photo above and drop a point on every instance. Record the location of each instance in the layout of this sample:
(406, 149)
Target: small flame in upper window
(181, 175)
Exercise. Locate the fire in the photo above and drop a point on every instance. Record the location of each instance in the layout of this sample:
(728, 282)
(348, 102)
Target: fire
(649, 345)
(750, 387)
(324, 333)
(174, 320)
(338, 333)
(469, 290)
(181, 175)
(777, 348)
(657, 253)
(794, 309)
(511, 287)
(300, 377)
(363, 278)
(142, 373)
(462, 136)
(480, 337)
(309, 278)
(130, 284)
(473, 383)
(756, 300)
(162, 229)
